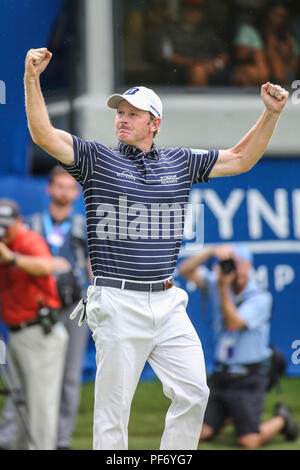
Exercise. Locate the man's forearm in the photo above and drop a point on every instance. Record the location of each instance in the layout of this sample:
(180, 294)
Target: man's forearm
(188, 266)
(56, 142)
(243, 156)
(35, 266)
(229, 311)
(37, 115)
(250, 149)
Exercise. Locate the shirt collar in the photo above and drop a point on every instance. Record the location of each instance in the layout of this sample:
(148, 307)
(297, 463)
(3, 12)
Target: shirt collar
(135, 152)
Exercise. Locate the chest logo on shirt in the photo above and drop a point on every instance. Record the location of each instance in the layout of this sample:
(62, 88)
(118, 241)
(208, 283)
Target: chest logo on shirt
(126, 174)
(169, 179)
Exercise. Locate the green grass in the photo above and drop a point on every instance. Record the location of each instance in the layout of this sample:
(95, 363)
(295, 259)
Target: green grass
(148, 413)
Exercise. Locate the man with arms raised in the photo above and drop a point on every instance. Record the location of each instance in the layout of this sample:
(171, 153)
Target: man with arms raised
(134, 197)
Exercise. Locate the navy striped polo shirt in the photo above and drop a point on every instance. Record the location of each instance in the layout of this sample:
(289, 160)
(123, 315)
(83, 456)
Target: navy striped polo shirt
(135, 205)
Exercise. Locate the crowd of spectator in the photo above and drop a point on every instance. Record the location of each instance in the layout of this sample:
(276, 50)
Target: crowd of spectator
(200, 43)
(194, 43)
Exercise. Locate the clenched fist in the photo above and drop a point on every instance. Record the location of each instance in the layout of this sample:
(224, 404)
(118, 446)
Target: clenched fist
(274, 97)
(36, 61)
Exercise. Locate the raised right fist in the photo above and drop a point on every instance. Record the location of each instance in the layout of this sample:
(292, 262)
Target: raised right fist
(36, 61)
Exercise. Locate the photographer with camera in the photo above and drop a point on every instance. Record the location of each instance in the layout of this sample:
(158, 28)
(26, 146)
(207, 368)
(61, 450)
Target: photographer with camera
(64, 231)
(37, 340)
(242, 312)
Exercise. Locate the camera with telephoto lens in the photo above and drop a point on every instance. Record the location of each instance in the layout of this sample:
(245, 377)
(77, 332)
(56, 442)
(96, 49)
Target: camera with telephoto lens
(227, 266)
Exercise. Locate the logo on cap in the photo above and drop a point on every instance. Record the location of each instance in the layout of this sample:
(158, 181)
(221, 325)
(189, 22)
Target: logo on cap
(132, 91)
(157, 112)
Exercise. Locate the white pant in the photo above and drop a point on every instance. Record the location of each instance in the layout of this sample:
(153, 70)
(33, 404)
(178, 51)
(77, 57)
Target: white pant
(129, 328)
(40, 361)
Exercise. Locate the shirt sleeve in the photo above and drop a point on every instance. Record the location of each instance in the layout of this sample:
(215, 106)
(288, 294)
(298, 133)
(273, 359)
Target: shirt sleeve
(84, 159)
(200, 164)
(34, 245)
(257, 310)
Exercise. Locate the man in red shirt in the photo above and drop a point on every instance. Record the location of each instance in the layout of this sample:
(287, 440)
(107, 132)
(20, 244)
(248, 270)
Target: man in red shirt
(37, 342)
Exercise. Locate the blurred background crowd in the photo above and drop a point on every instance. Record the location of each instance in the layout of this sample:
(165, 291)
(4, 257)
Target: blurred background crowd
(195, 43)
(177, 46)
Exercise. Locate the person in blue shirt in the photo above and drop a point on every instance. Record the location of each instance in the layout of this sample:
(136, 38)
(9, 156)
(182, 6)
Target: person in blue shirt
(65, 232)
(242, 312)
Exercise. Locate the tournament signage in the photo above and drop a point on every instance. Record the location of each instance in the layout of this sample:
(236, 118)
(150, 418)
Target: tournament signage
(261, 209)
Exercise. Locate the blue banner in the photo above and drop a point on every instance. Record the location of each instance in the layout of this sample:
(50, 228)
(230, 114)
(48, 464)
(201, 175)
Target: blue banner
(23, 26)
(260, 208)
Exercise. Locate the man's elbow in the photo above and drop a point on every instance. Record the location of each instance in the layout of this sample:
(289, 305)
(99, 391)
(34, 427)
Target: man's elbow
(43, 139)
(38, 140)
(35, 137)
(231, 327)
(48, 272)
(45, 268)
(42, 271)
(242, 164)
(235, 325)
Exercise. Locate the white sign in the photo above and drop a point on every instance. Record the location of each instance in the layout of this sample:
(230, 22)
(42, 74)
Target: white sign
(2, 92)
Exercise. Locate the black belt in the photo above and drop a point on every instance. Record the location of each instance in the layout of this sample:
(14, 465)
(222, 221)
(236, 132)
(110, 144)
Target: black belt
(128, 285)
(245, 369)
(24, 325)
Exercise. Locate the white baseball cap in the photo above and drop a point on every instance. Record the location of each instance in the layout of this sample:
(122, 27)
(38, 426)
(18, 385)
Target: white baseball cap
(140, 97)
(9, 212)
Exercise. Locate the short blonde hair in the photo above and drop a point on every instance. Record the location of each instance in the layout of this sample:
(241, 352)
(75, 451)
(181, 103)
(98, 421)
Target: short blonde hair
(152, 117)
